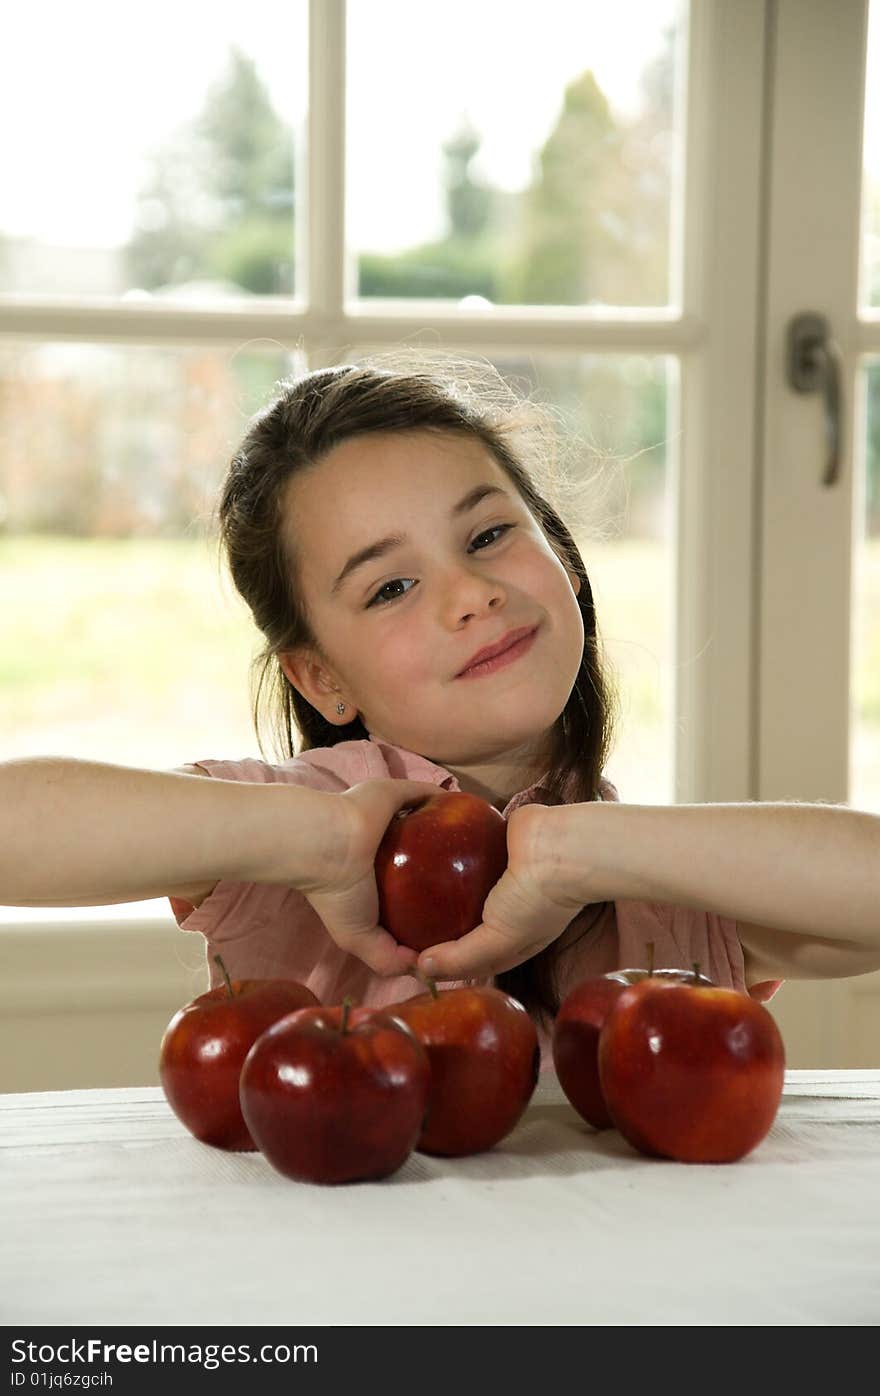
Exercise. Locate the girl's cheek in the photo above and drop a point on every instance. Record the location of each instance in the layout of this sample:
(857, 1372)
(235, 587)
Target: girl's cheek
(403, 652)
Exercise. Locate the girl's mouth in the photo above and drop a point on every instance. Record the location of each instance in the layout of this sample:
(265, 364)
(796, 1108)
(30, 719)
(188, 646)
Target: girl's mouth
(501, 661)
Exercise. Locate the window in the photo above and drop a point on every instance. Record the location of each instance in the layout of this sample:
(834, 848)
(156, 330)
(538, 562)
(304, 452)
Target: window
(174, 262)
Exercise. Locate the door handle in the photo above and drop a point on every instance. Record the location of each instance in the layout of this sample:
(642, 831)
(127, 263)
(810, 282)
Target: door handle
(814, 366)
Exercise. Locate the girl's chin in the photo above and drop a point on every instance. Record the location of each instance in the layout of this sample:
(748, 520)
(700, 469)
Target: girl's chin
(523, 744)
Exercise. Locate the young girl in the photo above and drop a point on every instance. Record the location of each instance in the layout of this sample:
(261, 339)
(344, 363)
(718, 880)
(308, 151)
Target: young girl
(428, 621)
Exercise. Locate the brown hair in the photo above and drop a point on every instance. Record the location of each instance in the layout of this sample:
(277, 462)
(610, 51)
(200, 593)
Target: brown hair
(304, 422)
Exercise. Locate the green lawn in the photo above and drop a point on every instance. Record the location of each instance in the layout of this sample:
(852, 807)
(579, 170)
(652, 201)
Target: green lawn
(138, 651)
(132, 651)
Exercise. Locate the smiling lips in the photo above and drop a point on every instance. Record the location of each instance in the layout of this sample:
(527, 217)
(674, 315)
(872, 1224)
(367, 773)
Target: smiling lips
(513, 646)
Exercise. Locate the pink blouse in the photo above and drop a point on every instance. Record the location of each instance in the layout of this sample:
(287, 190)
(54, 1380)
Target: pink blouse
(273, 932)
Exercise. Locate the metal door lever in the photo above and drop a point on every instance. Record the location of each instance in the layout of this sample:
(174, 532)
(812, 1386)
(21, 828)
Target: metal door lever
(814, 366)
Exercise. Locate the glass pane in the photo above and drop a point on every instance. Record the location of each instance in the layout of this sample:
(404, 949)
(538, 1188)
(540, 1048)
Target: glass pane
(864, 783)
(521, 163)
(122, 638)
(154, 155)
(609, 419)
(870, 277)
(617, 408)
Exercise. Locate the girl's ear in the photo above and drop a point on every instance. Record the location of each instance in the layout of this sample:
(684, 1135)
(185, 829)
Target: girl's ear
(310, 676)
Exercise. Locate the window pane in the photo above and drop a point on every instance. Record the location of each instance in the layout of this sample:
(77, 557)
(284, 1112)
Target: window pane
(864, 782)
(870, 278)
(523, 163)
(618, 407)
(155, 153)
(122, 638)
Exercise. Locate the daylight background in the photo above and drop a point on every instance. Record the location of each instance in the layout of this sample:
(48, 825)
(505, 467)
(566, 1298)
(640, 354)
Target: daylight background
(487, 165)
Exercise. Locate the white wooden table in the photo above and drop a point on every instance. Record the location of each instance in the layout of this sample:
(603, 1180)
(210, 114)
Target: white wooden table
(110, 1212)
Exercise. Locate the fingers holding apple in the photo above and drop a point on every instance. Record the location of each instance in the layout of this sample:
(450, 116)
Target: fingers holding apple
(522, 913)
(506, 936)
(344, 892)
(436, 865)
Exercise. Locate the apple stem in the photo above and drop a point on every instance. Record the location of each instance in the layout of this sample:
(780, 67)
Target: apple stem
(346, 1005)
(218, 959)
(696, 964)
(650, 957)
(432, 986)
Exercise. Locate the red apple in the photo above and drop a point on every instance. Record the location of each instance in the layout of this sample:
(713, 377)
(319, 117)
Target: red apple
(484, 1055)
(436, 865)
(691, 1072)
(576, 1035)
(205, 1044)
(336, 1095)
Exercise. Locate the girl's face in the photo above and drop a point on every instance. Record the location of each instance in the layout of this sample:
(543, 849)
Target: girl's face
(415, 551)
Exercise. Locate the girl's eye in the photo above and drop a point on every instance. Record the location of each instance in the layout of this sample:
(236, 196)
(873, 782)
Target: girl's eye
(399, 586)
(385, 593)
(498, 529)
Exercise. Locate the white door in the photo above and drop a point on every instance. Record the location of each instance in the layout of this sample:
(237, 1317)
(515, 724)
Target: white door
(737, 636)
(818, 722)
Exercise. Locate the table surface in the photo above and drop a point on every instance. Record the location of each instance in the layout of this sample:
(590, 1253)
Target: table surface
(112, 1213)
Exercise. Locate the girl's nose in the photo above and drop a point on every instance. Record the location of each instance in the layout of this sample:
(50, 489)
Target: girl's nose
(469, 596)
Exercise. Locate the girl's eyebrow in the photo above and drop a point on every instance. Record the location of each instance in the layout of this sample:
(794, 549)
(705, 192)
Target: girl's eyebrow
(396, 540)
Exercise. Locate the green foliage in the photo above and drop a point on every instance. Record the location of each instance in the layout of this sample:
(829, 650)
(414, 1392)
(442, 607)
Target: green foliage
(468, 200)
(564, 239)
(219, 198)
(256, 254)
(252, 167)
(449, 269)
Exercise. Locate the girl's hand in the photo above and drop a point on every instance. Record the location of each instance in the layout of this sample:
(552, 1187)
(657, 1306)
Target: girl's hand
(344, 892)
(529, 907)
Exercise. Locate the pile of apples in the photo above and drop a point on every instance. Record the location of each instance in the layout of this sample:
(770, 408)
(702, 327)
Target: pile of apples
(345, 1093)
(682, 1068)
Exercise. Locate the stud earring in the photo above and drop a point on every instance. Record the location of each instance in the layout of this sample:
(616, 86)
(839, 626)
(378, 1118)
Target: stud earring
(340, 708)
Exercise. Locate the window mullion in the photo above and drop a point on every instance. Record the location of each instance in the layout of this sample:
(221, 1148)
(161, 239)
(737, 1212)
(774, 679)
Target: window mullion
(325, 159)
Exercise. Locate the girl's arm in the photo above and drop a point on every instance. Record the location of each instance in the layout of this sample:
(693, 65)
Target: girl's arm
(802, 881)
(82, 833)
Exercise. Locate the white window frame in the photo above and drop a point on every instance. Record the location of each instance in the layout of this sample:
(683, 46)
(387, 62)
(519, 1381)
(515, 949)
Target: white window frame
(711, 328)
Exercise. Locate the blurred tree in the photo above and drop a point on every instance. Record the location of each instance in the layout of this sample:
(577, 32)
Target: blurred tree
(596, 216)
(218, 203)
(462, 263)
(468, 200)
(565, 219)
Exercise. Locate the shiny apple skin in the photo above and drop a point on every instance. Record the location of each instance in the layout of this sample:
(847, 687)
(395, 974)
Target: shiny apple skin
(327, 1106)
(690, 1072)
(576, 1036)
(579, 1021)
(576, 1046)
(484, 1055)
(436, 865)
(203, 1050)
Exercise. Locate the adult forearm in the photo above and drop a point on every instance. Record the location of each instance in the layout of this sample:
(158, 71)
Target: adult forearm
(77, 833)
(809, 868)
